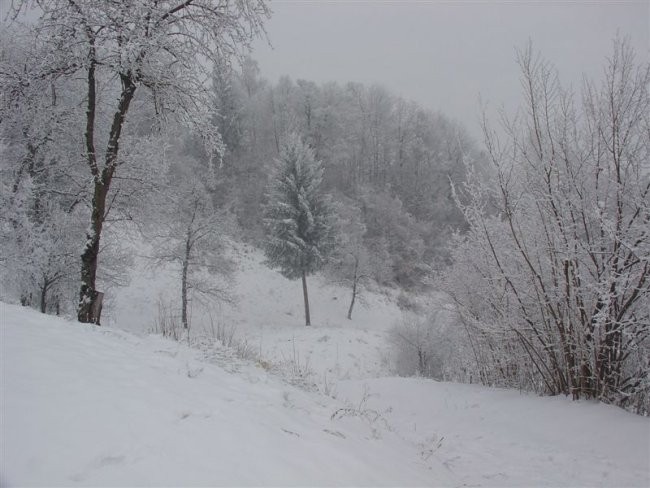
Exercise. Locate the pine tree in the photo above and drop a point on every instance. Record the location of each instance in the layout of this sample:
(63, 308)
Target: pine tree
(297, 217)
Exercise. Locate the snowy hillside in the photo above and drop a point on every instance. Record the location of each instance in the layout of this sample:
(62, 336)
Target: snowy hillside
(268, 316)
(495, 437)
(461, 312)
(95, 406)
(89, 406)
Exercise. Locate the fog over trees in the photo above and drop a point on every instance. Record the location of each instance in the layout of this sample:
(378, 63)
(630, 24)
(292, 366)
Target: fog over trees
(151, 118)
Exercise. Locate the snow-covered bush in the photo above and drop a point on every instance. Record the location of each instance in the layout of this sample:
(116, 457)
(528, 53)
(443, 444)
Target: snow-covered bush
(407, 303)
(552, 281)
(427, 345)
(167, 321)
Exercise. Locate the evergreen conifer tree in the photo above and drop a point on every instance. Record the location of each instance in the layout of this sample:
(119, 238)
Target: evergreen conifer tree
(297, 216)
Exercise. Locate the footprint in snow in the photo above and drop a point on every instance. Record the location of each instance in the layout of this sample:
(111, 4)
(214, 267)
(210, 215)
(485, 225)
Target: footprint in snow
(108, 460)
(171, 354)
(290, 432)
(335, 433)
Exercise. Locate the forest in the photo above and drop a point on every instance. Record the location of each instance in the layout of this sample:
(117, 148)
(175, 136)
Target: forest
(150, 121)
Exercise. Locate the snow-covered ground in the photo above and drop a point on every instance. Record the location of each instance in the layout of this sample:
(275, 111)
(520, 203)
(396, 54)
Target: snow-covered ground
(89, 406)
(268, 316)
(82, 405)
(495, 437)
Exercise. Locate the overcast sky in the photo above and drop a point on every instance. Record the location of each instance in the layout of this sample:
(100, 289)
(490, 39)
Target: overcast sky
(443, 54)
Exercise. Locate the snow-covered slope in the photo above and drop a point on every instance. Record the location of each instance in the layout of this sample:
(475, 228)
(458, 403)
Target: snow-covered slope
(81, 405)
(89, 406)
(496, 437)
(268, 316)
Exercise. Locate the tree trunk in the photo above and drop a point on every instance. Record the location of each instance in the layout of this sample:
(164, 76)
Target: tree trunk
(44, 288)
(88, 293)
(186, 260)
(355, 279)
(422, 362)
(306, 297)
(354, 296)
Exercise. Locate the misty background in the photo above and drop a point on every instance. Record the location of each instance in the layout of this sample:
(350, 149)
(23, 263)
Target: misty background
(444, 55)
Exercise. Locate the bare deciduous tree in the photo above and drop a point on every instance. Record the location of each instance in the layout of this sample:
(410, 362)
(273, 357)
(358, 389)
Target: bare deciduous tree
(189, 233)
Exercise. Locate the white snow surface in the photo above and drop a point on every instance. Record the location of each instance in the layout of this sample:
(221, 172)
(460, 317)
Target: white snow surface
(268, 316)
(89, 406)
(498, 437)
(115, 406)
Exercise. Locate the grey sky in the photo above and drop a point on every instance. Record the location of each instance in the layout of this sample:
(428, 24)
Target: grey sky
(443, 54)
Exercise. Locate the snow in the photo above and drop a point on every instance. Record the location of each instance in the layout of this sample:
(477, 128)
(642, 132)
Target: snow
(114, 405)
(496, 437)
(95, 406)
(269, 317)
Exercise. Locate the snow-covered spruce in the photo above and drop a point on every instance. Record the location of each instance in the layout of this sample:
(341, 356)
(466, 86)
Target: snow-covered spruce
(298, 218)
